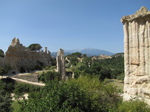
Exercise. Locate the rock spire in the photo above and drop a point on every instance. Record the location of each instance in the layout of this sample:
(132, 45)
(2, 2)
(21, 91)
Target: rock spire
(61, 64)
(137, 55)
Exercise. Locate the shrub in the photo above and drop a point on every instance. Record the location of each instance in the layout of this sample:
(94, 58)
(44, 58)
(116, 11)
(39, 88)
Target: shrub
(48, 76)
(85, 94)
(133, 106)
(21, 88)
(5, 90)
(7, 84)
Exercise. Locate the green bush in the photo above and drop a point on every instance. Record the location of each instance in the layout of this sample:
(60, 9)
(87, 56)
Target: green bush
(6, 87)
(85, 94)
(5, 101)
(1, 53)
(133, 106)
(121, 77)
(21, 88)
(48, 76)
(7, 84)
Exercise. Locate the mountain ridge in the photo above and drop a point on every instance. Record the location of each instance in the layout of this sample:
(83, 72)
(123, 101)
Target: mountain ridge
(88, 51)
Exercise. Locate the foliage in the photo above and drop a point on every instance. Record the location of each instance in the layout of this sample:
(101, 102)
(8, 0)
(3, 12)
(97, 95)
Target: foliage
(35, 47)
(76, 54)
(85, 94)
(133, 106)
(115, 65)
(74, 57)
(5, 102)
(16, 106)
(6, 88)
(48, 76)
(50, 68)
(4, 70)
(107, 68)
(21, 88)
(112, 68)
(1, 53)
(7, 84)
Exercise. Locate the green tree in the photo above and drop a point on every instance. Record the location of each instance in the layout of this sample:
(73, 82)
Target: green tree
(7, 86)
(49, 76)
(84, 55)
(87, 61)
(4, 70)
(35, 47)
(1, 53)
(76, 54)
(5, 102)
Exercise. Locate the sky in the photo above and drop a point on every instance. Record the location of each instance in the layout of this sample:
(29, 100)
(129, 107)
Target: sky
(66, 24)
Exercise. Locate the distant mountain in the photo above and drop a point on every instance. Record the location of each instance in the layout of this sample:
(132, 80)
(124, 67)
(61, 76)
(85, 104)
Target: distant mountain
(87, 51)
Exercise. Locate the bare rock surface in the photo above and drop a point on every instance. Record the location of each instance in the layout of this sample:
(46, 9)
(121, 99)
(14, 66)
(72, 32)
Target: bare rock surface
(137, 55)
(22, 59)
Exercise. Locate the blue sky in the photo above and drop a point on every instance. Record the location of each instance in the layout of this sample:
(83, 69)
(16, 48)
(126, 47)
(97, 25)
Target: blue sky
(66, 24)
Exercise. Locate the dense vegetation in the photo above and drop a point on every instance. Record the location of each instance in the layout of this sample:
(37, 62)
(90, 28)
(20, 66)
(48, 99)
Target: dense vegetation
(84, 94)
(104, 68)
(1, 53)
(9, 86)
(4, 69)
(48, 76)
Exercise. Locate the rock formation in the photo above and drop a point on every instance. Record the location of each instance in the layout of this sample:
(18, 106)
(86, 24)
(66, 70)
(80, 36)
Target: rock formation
(101, 57)
(61, 64)
(22, 59)
(137, 55)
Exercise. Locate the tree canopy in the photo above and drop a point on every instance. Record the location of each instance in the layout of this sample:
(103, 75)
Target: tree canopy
(1, 53)
(35, 47)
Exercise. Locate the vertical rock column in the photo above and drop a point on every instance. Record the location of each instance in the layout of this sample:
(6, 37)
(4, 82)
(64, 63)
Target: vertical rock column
(61, 64)
(137, 55)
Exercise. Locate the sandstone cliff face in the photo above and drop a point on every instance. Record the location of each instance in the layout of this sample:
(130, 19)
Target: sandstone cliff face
(20, 58)
(137, 55)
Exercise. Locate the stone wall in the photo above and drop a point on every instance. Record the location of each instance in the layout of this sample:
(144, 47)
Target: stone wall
(19, 57)
(137, 55)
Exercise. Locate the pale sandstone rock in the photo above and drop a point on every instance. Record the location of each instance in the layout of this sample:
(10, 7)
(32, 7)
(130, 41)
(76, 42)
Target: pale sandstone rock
(101, 57)
(18, 56)
(137, 55)
(61, 64)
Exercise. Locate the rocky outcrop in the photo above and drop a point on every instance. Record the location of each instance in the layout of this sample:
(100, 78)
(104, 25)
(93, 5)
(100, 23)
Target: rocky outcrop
(100, 57)
(61, 64)
(22, 59)
(137, 55)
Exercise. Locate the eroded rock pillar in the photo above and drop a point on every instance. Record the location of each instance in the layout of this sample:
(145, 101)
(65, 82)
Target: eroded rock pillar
(61, 64)
(137, 55)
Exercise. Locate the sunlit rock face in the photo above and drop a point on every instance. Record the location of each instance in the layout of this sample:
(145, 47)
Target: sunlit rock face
(61, 64)
(137, 55)
(21, 58)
